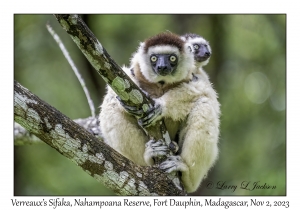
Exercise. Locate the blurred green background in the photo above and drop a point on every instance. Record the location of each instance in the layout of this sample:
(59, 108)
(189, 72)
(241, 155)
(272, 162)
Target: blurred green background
(247, 68)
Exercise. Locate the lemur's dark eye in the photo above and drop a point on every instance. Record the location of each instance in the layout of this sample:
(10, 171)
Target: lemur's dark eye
(173, 58)
(153, 58)
(196, 47)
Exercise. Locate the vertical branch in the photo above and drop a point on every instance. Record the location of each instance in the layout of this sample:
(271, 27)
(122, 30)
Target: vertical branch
(111, 72)
(114, 76)
(69, 59)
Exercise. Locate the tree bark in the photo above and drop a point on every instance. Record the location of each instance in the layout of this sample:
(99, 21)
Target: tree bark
(111, 72)
(23, 137)
(92, 155)
(115, 77)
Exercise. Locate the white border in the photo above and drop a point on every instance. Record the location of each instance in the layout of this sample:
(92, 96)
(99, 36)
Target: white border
(214, 7)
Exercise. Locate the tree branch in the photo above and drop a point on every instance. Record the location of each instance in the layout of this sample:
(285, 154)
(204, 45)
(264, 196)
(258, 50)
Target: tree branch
(116, 78)
(74, 68)
(92, 155)
(24, 137)
(111, 72)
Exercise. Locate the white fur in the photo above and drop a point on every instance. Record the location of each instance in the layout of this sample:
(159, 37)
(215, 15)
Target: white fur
(120, 130)
(191, 107)
(198, 40)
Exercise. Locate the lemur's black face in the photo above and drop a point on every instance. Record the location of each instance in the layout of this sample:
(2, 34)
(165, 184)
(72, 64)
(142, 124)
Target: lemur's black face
(201, 52)
(163, 64)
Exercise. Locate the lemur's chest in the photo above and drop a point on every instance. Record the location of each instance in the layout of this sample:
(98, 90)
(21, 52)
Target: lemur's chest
(156, 90)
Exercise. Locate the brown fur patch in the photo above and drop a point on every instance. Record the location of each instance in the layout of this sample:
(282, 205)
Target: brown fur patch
(155, 90)
(164, 39)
